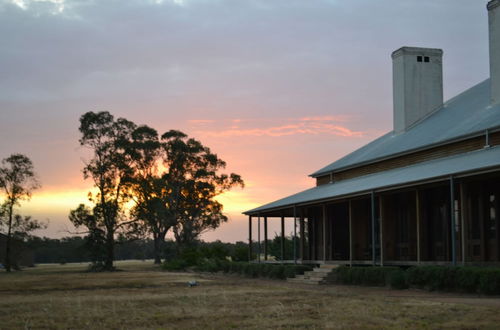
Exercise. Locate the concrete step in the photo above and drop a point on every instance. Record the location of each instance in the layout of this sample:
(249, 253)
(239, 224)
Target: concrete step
(328, 266)
(320, 275)
(305, 281)
(322, 270)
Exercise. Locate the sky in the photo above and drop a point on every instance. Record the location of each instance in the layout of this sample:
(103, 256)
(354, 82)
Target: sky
(277, 88)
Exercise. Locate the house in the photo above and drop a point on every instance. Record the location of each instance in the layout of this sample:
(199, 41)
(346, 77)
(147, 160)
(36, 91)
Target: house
(428, 192)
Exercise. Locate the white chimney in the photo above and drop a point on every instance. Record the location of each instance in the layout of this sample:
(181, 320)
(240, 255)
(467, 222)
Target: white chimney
(417, 80)
(494, 27)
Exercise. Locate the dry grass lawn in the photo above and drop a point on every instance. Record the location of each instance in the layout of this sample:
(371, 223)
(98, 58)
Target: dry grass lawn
(141, 296)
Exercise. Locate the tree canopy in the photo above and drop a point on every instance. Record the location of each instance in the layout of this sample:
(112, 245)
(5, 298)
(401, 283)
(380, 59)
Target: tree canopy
(17, 182)
(173, 181)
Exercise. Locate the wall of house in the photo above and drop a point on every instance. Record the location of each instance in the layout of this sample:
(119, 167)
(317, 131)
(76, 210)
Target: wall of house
(413, 158)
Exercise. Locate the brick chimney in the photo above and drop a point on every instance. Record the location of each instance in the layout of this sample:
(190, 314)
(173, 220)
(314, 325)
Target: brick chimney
(417, 84)
(494, 32)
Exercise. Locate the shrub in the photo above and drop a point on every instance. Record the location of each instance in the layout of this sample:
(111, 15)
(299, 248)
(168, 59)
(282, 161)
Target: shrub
(397, 279)
(175, 264)
(371, 276)
(489, 282)
(277, 272)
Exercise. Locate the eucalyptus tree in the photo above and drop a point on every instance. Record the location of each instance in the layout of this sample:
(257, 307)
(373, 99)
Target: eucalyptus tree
(17, 182)
(151, 196)
(193, 181)
(109, 169)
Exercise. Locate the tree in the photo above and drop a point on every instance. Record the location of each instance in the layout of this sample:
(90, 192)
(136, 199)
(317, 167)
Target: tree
(109, 169)
(17, 180)
(148, 189)
(193, 181)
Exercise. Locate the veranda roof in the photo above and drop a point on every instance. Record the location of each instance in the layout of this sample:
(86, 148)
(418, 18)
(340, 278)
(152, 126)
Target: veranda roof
(466, 114)
(466, 163)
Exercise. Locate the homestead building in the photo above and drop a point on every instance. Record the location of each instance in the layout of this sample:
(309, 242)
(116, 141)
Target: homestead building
(428, 192)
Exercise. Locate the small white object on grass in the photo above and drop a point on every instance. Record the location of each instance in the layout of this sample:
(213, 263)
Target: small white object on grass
(192, 283)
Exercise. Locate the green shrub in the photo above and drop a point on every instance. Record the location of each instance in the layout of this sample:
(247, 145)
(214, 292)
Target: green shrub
(397, 279)
(489, 282)
(371, 276)
(175, 264)
(277, 272)
(240, 253)
(468, 279)
(432, 278)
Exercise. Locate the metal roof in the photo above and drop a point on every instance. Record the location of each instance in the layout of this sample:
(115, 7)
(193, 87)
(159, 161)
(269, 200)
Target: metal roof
(473, 161)
(468, 113)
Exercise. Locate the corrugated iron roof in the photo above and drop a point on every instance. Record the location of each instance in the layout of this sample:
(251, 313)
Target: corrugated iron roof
(468, 113)
(439, 168)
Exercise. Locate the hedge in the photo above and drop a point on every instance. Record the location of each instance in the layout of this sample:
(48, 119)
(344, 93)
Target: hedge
(242, 268)
(469, 279)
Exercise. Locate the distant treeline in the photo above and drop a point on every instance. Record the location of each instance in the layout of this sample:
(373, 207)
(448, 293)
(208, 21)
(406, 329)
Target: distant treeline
(74, 249)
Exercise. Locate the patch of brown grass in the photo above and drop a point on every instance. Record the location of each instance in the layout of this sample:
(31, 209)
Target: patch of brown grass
(141, 296)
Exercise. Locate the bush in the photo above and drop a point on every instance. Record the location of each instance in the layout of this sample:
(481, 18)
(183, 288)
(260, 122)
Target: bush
(489, 281)
(397, 280)
(175, 265)
(371, 276)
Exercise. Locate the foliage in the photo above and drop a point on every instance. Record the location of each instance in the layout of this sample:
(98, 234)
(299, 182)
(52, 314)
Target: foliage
(274, 271)
(274, 247)
(174, 183)
(372, 276)
(398, 280)
(484, 280)
(459, 279)
(193, 181)
(148, 187)
(109, 169)
(17, 182)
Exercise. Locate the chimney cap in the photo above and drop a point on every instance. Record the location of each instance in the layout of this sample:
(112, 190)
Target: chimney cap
(493, 4)
(417, 51)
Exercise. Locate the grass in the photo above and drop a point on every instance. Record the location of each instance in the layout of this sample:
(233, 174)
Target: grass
(142, 296)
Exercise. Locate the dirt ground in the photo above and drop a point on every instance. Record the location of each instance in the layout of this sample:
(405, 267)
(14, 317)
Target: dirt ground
(140, 296)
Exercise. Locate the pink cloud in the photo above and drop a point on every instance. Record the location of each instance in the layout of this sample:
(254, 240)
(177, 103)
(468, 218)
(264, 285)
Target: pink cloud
(327, 125)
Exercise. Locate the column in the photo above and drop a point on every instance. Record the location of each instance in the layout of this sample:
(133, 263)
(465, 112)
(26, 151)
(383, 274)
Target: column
(265, 238)
(249, 238)
(452, 215)
(324, 233)
(381, 228)
(351, 250)
(258, 238)
(282, 238)
(373, 228)
(418, 221)
(463, 214)
(294, 234)
(302, 237)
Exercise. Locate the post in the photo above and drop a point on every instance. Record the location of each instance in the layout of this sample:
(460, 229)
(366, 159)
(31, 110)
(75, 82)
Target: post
(249, 238)
(418, 216)
(452, 214)
(381, 229)
(265, 238)
(302, 237)
(324, 233)
(282, 238)
(294, 234)
(258, 238)
(373, 228)
(462, 220)
(350, 234)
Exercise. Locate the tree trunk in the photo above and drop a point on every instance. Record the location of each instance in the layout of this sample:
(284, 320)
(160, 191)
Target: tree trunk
(157, 248)
(110, 244)
(7, 242)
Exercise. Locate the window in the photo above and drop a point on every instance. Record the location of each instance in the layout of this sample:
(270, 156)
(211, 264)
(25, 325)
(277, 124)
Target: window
(419, 58)
(426, 59)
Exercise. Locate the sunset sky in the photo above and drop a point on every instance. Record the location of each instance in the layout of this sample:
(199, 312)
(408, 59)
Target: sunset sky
(277, 88)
